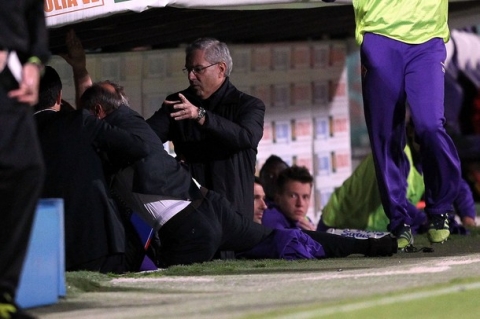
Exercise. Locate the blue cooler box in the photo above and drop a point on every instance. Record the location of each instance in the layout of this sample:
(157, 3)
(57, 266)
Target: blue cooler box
(145, 233)
(42, 280)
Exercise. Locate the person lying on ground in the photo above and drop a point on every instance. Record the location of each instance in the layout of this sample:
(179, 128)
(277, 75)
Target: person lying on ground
(293, 189)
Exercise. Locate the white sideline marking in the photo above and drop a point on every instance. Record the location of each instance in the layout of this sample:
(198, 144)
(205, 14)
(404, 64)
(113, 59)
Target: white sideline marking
(459, 262)
(414, 270)
(439, 267)
(163, 279)
(381, 302)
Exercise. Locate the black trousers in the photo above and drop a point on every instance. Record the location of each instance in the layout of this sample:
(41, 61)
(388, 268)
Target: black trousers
(339, 246)
(196, 233)
(21, 179)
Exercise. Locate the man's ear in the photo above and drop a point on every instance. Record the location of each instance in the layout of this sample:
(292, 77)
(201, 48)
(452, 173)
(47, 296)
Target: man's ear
(58, 100)
(98, 111)
(223, 68)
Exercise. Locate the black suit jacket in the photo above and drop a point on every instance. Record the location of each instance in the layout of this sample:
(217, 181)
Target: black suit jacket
(221, 154)
(158, 173)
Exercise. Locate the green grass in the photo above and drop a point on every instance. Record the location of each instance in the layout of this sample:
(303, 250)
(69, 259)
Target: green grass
(238, 267)
(447, 300)
(84, 281)
(437, 301)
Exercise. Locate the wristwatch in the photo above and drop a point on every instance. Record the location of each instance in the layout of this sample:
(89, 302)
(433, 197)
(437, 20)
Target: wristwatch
(201, 114)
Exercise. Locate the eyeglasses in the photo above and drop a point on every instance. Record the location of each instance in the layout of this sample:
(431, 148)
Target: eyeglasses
(197, 69)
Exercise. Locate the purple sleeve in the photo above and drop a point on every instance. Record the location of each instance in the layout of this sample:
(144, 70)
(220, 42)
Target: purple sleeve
(289, 244)
(272, 218)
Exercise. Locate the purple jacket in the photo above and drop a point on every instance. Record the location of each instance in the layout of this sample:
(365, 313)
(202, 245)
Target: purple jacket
(287, 241)
(289, 244)
(273, 218)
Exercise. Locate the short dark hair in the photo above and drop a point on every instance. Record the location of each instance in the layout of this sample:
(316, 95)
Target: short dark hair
(293, 173)
(269, 173)
(49, 89)
(258, 181)
(271, 161)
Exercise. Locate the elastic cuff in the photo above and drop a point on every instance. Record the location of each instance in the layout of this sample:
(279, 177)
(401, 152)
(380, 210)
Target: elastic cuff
(36, 61)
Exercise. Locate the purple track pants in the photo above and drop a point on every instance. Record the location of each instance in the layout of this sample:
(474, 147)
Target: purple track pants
(394, 73)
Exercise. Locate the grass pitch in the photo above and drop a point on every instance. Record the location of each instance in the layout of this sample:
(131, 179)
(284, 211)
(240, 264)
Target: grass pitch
(441, 284)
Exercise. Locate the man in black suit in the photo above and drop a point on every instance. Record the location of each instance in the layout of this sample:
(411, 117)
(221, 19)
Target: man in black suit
(95, 237)
(214, 127)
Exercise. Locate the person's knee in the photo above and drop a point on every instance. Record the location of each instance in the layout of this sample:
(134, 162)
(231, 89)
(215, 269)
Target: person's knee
(192, 244)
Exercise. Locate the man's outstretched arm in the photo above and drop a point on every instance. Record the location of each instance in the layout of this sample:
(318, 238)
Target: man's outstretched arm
(76, 58)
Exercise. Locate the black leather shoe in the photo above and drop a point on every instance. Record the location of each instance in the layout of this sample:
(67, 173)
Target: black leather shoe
(385, 246)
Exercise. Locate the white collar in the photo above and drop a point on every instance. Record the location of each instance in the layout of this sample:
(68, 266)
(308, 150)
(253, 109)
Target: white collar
(44, 110)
